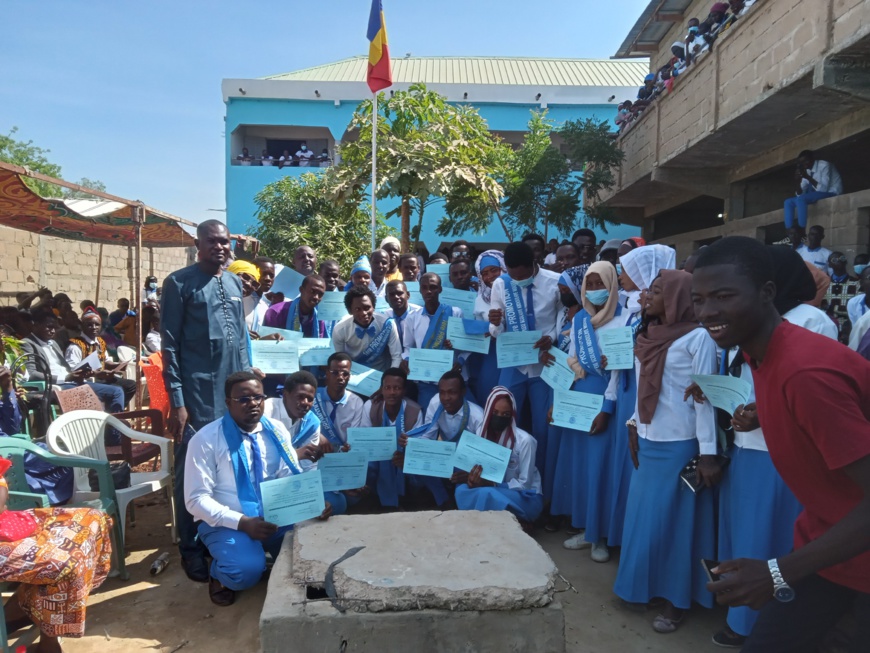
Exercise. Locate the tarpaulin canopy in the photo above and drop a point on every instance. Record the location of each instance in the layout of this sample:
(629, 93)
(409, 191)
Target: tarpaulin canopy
(110, 220)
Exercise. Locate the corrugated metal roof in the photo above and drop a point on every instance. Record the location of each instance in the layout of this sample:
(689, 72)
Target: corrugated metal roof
(505, 71)
(651, 27)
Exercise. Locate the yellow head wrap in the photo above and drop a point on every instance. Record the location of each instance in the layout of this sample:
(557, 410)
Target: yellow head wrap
(238, 266)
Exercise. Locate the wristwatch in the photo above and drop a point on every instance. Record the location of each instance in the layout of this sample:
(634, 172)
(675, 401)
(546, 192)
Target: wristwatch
(782, 591)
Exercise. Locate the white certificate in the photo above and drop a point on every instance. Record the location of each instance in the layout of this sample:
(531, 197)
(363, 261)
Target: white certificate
(475, 450)
(364, 380)
(92, 362)
(515, 348)
(724, 391)
(315, 351)
(575, 410)
(331, 308)
(287, 282)
(559, 375)
(287, 334)
(461, 299)
(443, 271)
(429, 364)
(275, 356)
(343, 471)
(618, 346)
(429, 458)
(461, 341)
(293, 499)
(375, 442)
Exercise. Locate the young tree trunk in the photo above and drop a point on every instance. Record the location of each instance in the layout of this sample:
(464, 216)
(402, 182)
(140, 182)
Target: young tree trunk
(406, 224)
(420, 210)
(503, 225)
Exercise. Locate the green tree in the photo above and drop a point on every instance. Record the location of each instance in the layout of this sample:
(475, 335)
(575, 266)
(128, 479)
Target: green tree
(93, 184)
(28, 155)
(296, 211)
(427, 149)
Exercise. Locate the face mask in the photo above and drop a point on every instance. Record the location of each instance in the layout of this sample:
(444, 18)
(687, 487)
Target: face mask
(304, 148)
(619, 268)
(525, 283)
(860, 268)
(597, 297)
(152, 286)
(568, 300)
(500, 422)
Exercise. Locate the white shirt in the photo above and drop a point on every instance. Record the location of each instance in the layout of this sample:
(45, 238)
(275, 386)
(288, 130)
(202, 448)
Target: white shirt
(550, 259)
(416, 325)
(367, 417)
(400, 323)
(827, 179)
(448, 425)
(818, 257)
(857, 308)
(73, 354)
(675, 419)
(481, 308)
(304, 156)
(812, 318)
(255, 311)
(344, 339)
(547, 305)
(859, 330)
(616, 322)
(521, 472)
(153, 341)
(348, 412)
(275, 410)
(210, 492)
(56, 362)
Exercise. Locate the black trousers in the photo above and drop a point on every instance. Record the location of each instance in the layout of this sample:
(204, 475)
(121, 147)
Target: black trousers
(800, 626)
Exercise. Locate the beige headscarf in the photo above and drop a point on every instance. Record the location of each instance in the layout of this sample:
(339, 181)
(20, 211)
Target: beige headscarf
(607, 272)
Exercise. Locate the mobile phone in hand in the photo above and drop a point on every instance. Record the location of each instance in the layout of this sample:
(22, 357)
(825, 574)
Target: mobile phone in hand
(709, 566)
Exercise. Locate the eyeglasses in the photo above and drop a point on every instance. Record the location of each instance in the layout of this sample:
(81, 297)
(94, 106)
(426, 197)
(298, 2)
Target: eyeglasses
(249, 399)
(837, 259)
(342, 374)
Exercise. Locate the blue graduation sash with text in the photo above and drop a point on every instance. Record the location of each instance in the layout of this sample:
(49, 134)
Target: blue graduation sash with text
(436, 334)
(373, 352)
(327, 426)
(515, 310)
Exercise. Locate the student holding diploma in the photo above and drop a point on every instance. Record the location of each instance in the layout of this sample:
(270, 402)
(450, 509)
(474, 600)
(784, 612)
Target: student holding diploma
(427, 329)
(581, 482)
(369, 338)
(640, 267)
(301, 313)
(667, 528)
(526, 299)
(391, 408)
(227, 460)
(293, 410)
(401, 307)
(520, 491)
(483, 369)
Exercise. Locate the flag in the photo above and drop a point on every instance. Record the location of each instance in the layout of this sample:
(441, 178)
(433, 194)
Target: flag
(380, 73)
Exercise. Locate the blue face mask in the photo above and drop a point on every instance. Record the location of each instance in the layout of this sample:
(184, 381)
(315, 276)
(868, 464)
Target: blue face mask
(619, 268)
(859, 268)
(597, 297)
(525, 283)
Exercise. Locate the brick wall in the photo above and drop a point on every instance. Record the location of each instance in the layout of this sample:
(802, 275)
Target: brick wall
(70, 266)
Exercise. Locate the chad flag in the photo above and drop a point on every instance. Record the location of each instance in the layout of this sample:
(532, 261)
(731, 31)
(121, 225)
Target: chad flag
(380, 74)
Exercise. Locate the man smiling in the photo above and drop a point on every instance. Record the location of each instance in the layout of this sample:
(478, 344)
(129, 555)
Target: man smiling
(815, 415)
(369, 338)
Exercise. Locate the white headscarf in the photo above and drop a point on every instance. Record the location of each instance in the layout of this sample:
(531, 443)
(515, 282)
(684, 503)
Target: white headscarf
(484, 291)
(643, 265)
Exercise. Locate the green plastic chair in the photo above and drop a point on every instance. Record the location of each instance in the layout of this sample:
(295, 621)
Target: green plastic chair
(37, 386)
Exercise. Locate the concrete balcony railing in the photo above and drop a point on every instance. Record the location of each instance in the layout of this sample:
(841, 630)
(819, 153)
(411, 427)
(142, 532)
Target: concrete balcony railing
(780, 72)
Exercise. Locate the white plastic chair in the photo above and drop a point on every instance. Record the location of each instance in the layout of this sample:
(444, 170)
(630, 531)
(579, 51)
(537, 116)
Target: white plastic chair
(81, 433)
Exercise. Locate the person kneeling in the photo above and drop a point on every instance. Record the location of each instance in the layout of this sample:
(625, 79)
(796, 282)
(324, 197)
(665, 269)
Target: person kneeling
(520, 491)
(227, 460)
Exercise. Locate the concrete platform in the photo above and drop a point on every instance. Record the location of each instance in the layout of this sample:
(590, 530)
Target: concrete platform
(454, 581)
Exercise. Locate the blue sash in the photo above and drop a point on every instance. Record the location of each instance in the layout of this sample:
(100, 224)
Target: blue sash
(515, 310)
(373, 352)
(327, 426)
(463, 423)
(564, 340)
(309, 426)
(248, 495)
(436, 334)
(586, 342)
(391, 481)
(294, 321)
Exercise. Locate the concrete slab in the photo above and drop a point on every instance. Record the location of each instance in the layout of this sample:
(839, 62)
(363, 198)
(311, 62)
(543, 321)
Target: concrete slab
(453, 560)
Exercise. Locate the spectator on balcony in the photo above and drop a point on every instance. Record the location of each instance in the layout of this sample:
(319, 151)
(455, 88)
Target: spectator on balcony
(304, 155)
(285, 159)
(815, 180)
(813, 252)
(245, 157)
(711, 25)
(323, 158)
(624, 115)
(266, 159)
(696, 45)
(645, 94)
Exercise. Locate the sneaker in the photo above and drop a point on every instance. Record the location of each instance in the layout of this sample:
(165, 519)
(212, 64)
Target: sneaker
(600, 552)
(576, 542)
(726, 638)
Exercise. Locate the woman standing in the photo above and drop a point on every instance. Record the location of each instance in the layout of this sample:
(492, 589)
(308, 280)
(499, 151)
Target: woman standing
(582, 478)
(483, 368)
(668, 527)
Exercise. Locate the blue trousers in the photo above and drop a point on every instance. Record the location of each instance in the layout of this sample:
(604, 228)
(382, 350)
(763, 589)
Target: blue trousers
(238, 562)
(801, 202)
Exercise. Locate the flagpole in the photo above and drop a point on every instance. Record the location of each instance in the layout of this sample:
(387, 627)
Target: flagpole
(374, 167)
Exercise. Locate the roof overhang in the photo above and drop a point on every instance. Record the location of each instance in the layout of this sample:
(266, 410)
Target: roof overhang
(651, 27)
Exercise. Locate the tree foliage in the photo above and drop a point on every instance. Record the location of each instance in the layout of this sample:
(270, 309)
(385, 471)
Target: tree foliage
(93, 184)
(28, 155)
(426, 148)
(296, 211)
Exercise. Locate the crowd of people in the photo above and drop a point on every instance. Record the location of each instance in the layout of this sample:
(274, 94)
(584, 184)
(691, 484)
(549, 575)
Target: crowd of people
(694, 46)
(776, 489)
(303, 158)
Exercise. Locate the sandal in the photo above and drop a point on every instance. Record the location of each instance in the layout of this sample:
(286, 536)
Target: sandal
(220, 595)
(661, 624)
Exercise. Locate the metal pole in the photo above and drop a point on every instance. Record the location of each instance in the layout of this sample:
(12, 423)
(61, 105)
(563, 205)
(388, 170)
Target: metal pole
(374, 167)
(99, 273)
(140, 218)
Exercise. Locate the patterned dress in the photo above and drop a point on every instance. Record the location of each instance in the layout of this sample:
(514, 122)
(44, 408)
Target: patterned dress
(58, 566)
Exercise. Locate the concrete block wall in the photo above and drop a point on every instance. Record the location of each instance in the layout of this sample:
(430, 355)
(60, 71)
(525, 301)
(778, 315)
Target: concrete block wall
(685, 123)
(70, 266)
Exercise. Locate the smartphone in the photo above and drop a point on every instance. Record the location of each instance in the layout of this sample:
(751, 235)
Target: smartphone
(709, 566)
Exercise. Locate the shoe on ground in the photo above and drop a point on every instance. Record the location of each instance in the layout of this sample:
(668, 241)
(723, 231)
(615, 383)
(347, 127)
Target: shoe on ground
(220, 595)
(571, 530)
(661, 624)
(727, 638)
(600, 552)
(196, 568)
(553, 524)
(576, 542)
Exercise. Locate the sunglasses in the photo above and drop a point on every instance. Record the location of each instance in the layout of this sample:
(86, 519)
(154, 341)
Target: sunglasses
(249, 399)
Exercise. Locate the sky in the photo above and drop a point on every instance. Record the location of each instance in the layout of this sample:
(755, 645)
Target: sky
(128, 93)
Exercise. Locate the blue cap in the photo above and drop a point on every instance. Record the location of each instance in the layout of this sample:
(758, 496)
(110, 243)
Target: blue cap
(362, 265)
(649, 77)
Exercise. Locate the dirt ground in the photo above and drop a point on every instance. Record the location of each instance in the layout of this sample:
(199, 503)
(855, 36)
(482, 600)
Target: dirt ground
(168, 613)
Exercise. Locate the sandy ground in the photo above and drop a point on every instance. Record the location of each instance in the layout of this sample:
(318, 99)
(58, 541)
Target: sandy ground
(169, 613)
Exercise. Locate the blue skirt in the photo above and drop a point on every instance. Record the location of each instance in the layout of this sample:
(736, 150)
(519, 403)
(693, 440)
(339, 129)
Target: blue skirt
(525, 504)
(621, 469)
(756, 518)
(581, 478)
(668, 530)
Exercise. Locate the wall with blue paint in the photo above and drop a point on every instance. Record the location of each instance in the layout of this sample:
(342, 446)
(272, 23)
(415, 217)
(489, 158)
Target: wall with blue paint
(244, 182)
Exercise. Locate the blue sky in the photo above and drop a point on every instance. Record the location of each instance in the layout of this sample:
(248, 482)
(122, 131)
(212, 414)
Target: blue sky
(129, 93)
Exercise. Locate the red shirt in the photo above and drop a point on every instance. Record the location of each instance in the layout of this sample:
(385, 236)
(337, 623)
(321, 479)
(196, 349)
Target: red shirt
(813, 397)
